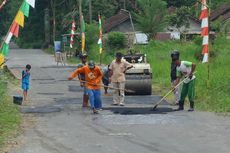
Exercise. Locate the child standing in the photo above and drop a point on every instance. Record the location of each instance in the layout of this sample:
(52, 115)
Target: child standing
(26, 81)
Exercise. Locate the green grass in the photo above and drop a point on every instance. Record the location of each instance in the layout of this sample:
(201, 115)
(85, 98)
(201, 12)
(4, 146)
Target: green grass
(49, 50)
(10, 117)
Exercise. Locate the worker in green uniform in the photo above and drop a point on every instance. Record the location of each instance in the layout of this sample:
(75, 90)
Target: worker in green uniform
(186, 69)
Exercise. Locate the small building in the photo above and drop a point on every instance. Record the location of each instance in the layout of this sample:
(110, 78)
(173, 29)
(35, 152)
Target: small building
(120, 22)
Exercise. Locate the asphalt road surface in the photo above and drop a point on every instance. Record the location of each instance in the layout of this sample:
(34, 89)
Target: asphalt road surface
(62, 126)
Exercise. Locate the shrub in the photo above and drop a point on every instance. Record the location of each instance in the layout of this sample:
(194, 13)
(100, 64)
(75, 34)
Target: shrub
(116, 40)
(92, 34)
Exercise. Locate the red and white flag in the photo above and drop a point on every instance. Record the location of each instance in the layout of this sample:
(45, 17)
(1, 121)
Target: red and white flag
(72, 34)
(204, 30)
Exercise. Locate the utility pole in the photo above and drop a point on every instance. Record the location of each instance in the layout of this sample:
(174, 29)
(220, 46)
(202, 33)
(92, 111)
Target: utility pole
(124, 4)
(90, 11)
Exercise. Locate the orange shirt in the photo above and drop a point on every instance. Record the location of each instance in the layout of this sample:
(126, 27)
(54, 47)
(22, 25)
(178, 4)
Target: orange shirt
(91, 76)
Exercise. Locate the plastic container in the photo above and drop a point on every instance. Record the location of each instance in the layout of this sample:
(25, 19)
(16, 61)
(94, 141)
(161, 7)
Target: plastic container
(17, 100)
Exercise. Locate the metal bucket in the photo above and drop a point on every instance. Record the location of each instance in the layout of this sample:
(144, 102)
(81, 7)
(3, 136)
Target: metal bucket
(17, 100)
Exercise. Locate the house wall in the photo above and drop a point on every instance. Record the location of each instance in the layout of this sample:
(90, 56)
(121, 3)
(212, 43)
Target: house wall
(124, 27)
(194, 27)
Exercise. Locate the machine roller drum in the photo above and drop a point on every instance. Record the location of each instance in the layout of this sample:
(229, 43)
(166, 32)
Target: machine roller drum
(141, 84)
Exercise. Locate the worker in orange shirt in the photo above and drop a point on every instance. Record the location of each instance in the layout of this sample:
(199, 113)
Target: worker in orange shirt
(93, 77)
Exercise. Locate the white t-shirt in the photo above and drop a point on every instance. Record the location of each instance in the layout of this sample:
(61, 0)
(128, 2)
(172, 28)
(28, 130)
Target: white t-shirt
(184, 70)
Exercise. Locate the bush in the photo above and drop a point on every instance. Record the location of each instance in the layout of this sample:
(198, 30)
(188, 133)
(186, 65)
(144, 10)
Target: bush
(92, 34)
(116, 40)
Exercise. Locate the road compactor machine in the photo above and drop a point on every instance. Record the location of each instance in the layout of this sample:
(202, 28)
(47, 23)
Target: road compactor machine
(139, 78)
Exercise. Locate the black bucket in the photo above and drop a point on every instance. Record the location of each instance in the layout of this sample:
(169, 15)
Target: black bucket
(17, 100)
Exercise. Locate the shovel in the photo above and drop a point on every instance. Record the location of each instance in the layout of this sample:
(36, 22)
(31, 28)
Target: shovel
(127, 90)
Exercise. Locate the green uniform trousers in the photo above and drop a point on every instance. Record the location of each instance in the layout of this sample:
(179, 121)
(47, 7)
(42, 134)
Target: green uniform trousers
(187, 89)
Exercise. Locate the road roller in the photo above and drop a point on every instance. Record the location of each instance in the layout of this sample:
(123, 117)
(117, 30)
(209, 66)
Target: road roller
(139, 78)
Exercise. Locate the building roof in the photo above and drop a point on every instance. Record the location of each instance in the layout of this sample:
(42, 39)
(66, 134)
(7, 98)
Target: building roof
(223, 11)
(116, 20)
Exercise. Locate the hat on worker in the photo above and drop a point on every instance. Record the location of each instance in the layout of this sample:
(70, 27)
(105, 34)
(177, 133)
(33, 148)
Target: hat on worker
(91, 64)
(119, 55)
(175, 55)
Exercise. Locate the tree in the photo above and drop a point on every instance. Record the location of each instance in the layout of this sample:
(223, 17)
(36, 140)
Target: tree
(180, 3)
(151, 19)
(180, 19)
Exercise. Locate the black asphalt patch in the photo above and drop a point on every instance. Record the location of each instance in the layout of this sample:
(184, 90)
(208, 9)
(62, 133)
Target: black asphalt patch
(47, 82)
(68, 101)
(140, 100)
(43, 79)
(55, 93)
(42, 109)
(138, 111)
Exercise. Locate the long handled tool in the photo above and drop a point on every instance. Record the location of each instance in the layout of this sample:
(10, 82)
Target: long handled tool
(127, 90)
(155, 106)
(4, 62)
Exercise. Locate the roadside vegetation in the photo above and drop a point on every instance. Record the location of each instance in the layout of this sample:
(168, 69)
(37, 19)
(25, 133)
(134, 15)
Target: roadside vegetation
(10, 117)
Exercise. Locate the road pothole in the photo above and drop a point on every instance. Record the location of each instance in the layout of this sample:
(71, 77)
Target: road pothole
(54, 93)
(138, 111)
(43, 109)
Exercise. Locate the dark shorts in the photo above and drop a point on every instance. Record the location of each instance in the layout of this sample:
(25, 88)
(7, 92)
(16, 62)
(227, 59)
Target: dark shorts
(105, 82)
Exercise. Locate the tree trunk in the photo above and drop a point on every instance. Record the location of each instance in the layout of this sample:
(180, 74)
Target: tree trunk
(53, 7)
(90, 11)
(80, 13)
(47, 26)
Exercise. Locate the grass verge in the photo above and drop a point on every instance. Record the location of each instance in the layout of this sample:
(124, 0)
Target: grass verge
(10, 117)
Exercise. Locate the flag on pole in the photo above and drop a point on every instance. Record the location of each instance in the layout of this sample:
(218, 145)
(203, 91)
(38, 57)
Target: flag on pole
(25, 8)
(20, 18)
(100, 34)
(72, 34)
(1, 60)
(82, 34)
(31, 2)
(3, 3)
(5, 49)
(205, 30)
(14, 28)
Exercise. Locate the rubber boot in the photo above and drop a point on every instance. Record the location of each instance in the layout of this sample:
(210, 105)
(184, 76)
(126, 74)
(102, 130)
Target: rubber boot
(85, 100)
(191, 106)
(181, 106)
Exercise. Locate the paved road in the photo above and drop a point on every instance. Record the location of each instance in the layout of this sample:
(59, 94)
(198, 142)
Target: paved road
(63, 127)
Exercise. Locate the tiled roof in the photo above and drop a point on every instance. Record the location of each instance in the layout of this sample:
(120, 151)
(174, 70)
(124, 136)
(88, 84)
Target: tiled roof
(115, 20)
(222, 11)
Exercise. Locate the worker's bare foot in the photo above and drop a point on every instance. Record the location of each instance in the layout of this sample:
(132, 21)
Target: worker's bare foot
(107, 94)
